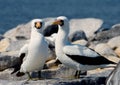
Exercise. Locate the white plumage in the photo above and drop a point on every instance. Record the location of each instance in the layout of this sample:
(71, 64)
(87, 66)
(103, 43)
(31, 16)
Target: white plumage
(37, 50)
(75, 56)
(34, 54)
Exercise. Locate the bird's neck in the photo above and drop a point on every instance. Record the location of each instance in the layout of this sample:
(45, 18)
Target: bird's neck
(61, 40)
(35, 35)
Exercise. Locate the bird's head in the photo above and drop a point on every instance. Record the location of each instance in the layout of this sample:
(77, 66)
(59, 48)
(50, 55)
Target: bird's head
(62, 21)
(37, 25)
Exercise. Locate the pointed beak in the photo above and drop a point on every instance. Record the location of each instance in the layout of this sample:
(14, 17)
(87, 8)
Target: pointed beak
(57, 22)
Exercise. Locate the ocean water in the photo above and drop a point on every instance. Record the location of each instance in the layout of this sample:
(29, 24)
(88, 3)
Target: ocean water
(15, 12)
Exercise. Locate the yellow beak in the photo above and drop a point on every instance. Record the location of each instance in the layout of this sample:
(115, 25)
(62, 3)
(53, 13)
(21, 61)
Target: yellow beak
(57, 22)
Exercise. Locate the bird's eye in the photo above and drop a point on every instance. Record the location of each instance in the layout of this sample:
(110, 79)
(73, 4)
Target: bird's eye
(61, 22)
(38, 25)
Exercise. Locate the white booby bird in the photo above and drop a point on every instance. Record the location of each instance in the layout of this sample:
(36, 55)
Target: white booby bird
(76, 56)
(34, 54)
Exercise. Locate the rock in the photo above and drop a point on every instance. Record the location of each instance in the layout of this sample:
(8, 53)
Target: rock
(80, 42)
(88, 25)
(104, 72)
(1, 37)
(4, 44)
(10, 53)
(94, 77)
(85, 81)
(11, 45)
(21, 31)
(104, 50)
(107, 52)
(114, 42)
(7, 61)
(51, 64)
(117, 26)
(52, 55)
(60, 72)
(78, 35)
(16, 45)
(117, 51)
(104, 36)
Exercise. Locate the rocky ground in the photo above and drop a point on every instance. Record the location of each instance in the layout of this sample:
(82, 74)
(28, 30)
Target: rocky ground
(85, 32)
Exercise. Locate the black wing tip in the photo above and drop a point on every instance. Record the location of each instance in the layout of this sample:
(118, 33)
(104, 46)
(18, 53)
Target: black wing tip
(113, 62)
(19, 74)
(18, 63)
(16, 68)
(13, 72)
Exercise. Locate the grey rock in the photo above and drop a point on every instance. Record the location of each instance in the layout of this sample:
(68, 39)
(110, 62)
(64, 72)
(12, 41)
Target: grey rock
(6, 62)
(60, 72)
(104, 36)
(81, 42)
(88, 25)
(56, 78)
(4, 43)
(16, 45)
(77, 35)
(105, 50)
(85, 81)
(1, 37)
(8, 44)
(20, 32)
(114, 42)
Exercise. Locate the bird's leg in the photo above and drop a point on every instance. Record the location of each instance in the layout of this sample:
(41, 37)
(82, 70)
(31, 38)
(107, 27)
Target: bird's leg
(39, 74)
(77, 74)
(82, 74)
(29, 76)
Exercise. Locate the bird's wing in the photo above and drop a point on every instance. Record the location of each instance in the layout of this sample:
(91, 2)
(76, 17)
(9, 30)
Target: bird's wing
(23, 52)
(80, 50)
(85, 55)
(24, 49)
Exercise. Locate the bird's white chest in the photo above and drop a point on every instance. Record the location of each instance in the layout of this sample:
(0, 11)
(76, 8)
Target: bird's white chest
(38, 47)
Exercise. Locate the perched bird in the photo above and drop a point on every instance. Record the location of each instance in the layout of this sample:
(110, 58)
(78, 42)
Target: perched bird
(34, 54)
(77, 57)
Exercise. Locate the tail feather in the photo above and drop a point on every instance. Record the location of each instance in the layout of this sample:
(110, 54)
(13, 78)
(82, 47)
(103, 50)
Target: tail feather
(16, 68)
(19, 74)
(18, 63)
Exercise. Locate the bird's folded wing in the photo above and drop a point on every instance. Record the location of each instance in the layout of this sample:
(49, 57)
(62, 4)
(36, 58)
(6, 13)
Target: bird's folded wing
(22, 57)
(84, 55)
(24, 50)
(80, 51)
